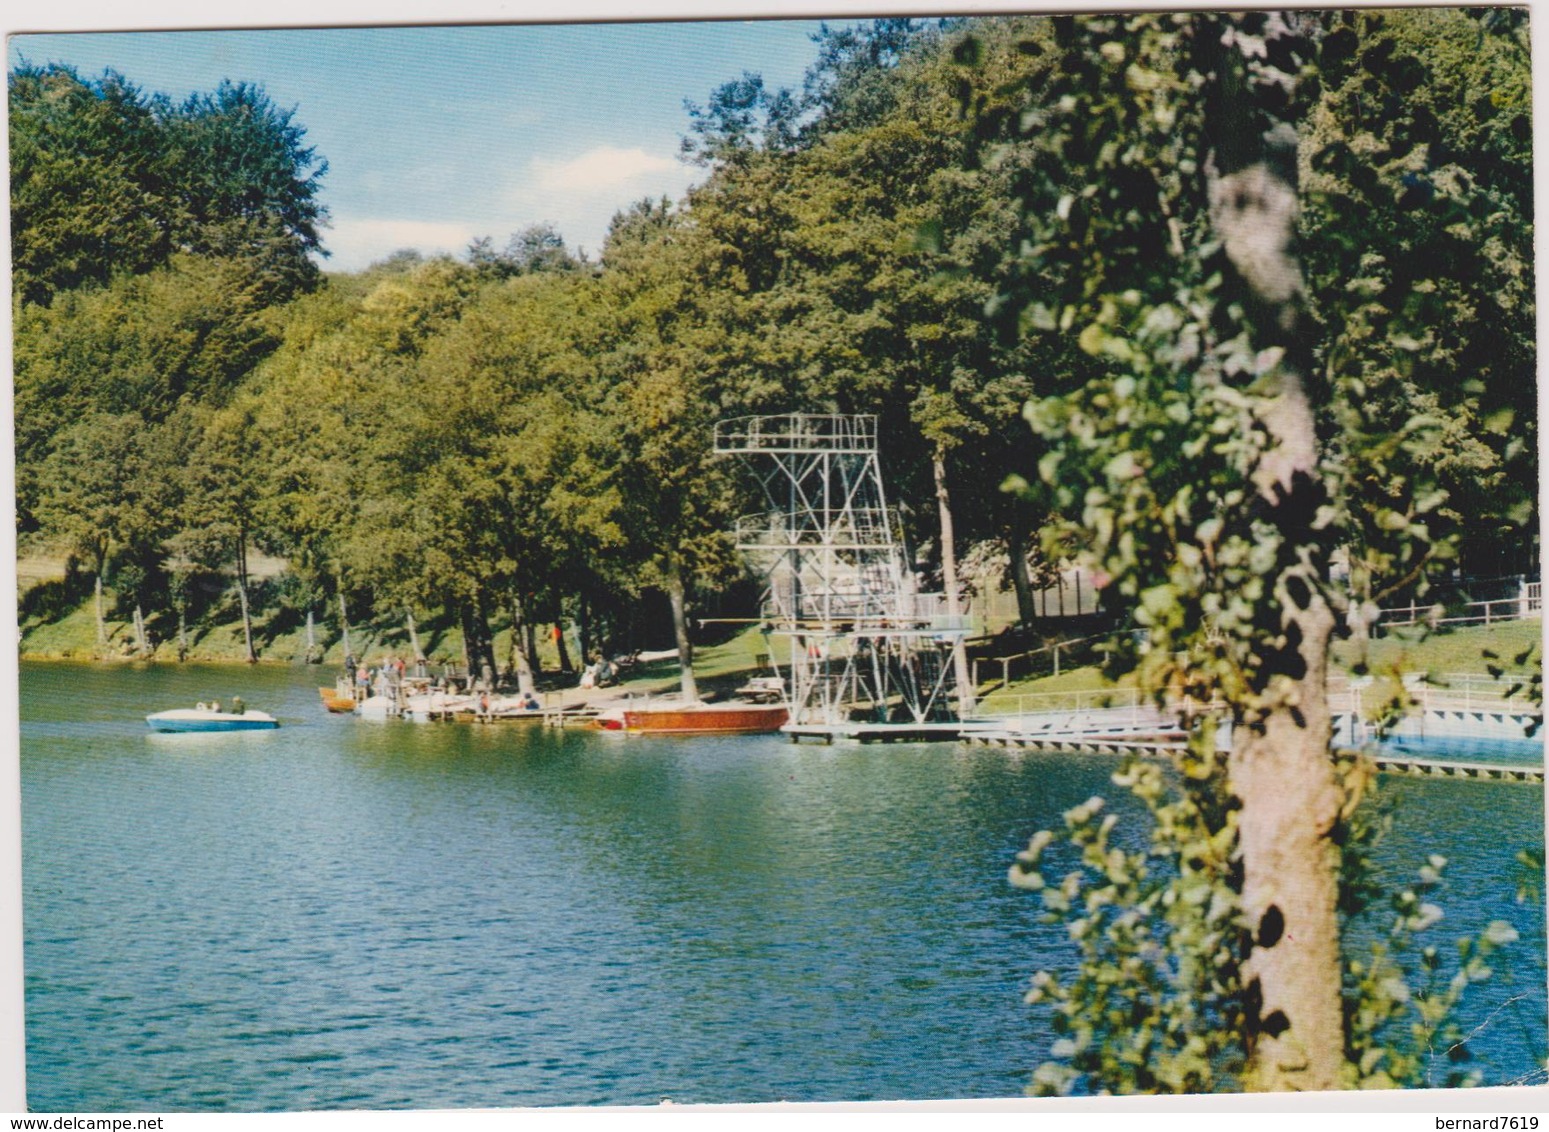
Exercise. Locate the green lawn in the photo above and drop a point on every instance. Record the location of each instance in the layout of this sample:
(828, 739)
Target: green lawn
(1404, 650)
(1456, 650)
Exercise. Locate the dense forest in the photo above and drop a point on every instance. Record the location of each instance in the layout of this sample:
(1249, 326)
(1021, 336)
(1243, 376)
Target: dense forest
(520, 436)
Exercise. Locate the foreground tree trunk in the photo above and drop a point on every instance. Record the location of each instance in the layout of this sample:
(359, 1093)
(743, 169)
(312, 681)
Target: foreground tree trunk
(1281, 771)
(1280, 766)
(676, 595)
(960, 672)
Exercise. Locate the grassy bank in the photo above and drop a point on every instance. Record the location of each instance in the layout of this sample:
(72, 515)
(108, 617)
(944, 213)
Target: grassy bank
(1436, 655)
(71, 635)
(1456, 650)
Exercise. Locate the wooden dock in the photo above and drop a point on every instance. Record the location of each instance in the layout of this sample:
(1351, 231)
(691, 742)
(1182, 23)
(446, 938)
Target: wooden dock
(861, 732)
(1159, 746)
(1155, 746)
(1416, 767)
(1111, 732)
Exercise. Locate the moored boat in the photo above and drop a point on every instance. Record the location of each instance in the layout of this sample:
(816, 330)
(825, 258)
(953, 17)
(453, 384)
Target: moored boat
(422, 707)
(336, 701)
(696, 719)
(203, 718)
(377, 707)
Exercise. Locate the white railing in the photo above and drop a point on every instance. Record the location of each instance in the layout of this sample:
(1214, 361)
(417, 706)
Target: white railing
(999, 704)
(855, 528)
(1529, 603)
(1006, 662)
(1454, 691)
(798, 432)
(862, 611)
(1469, 692)
(1104, 709)
(1121, 710)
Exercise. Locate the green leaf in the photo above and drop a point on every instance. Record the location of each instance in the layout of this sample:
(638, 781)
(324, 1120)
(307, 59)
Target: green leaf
(1500, 933)
(1500, 421)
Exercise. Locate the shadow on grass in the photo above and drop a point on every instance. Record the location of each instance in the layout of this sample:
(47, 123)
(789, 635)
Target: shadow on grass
(53, 599)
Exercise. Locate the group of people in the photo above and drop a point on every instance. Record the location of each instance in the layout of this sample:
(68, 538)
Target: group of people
(599, 674)
(384, 678)
(387, 678)
(529, 703)
(237, 706)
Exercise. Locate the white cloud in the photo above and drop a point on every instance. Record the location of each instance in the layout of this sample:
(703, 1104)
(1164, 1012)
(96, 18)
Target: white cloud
(604, 169)
(579, 195)
(358, 243)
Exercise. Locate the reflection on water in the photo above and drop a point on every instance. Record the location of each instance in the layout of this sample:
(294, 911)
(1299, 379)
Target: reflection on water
(346, 914)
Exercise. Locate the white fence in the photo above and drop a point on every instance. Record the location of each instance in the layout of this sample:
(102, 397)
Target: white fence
(1026, 661)
(1452, 692)
(1106, 702)
(1506, 694)
(1529, 602)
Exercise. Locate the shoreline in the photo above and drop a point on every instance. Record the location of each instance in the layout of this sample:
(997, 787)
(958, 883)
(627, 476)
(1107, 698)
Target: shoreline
(569, 695)
(65, 658)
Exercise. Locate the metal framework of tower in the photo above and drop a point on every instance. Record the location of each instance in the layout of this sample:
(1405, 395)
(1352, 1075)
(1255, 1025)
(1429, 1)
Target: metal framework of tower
(862, 643)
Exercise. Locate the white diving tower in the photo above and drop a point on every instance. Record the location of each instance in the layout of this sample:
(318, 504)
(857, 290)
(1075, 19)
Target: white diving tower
(839, 588)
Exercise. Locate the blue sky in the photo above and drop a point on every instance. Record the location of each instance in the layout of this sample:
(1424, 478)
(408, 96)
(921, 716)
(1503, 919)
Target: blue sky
(436, 135)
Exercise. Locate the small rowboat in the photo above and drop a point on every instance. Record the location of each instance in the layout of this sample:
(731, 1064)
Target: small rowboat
(205, 719)
(334, 701)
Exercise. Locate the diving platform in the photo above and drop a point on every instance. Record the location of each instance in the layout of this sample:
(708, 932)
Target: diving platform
(840, 589)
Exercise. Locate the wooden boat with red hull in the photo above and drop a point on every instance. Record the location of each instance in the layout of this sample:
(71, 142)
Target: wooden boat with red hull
(696, 719)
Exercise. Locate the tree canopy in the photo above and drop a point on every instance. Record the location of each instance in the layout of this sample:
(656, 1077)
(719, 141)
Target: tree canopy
(106, 181)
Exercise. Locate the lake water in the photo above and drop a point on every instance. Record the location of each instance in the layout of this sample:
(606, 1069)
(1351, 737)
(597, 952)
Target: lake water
(341, 914)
